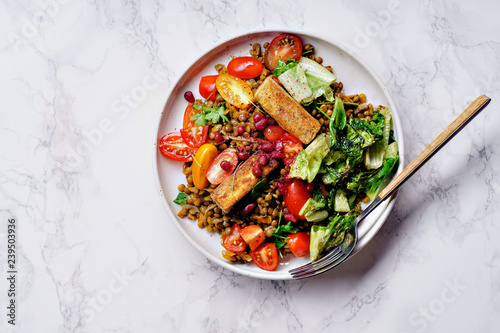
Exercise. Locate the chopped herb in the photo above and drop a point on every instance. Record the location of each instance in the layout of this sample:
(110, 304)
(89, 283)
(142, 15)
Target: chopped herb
(213, 114)
(194, 159)
(345, 103)
(181, 198)
(317, 194)
(307, 52)
(234, 176)
(279, 243)
(317, 108)
(281, 233)
(258, 188)
(284, 66)
(283, 230)
(351, 103)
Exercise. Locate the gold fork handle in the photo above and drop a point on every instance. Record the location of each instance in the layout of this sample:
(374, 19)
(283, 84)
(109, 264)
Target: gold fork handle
(456, 126)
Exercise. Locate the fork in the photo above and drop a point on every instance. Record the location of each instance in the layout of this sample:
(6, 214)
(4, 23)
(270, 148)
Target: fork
(340, 253)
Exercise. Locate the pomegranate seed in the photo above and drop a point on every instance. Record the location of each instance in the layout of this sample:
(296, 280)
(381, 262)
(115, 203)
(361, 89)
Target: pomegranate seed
(282, 189)
(248, 208)
(267, 146)
(261, 124)
(241, 129)
(263, 159)
(218, 137)
(277, 155)
(257, 170)
(243, 155)
(290, 217)
(257, 117)
(225, 165)
(309, 187)
(188, 95)
(279, 146)
(270, 121)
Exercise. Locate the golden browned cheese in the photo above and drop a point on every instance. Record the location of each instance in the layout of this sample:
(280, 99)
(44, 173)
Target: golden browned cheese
(236, 186)
(289, 114)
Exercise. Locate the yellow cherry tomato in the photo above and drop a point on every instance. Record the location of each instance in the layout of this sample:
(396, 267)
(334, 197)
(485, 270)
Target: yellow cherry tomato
(203, 158)
(234, 90)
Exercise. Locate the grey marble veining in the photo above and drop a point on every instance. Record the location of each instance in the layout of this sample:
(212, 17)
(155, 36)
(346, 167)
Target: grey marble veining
(96, 252)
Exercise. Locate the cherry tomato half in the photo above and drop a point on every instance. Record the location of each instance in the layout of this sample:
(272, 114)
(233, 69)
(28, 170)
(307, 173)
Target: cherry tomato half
(273, 133)
(253, 235)
(234, 242)
(216, 174)
(265, 256)
(296, 196)
(203, 158)
(207, 87)
(186, 120)
(234, 91)
(292, 147)
(172, 146)
(283, 46)
(299, 243)
(245, 67)
(194, 136)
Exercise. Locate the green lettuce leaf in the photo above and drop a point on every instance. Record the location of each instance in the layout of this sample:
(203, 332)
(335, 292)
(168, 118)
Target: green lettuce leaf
(308, 161)
(319, 78)
(295, 82)
(374, 156)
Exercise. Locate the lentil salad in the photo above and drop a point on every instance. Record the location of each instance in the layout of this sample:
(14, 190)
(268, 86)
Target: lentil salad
(244, 134)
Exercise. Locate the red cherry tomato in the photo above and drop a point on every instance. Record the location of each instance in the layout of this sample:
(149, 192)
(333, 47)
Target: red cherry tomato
(253, 235)
(194, 136)
(283, 46)
(245, 67)
(292, 147)
(296, 196)
(234, 242)
(265, 256)
(190, 111)
(215, 173)
(172, 146)
(273, 133)
(207, 87)
(299, 243)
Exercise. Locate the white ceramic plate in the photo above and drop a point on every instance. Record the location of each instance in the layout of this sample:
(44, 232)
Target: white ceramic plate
(349, 69)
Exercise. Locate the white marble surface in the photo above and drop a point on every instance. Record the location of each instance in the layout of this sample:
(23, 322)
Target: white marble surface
(95, 250)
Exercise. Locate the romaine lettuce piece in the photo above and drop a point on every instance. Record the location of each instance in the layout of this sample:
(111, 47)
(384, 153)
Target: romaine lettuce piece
(311, 206)
(319, 78)
(341, 203)
(320, 236)
(326, 237)
(295, 82)
(339, 114)
(314, 204)
(368, 138)
(334, 174)
(317, 216)
(374, 156)
(374, 126)
(334, 156)
(308, 161)
(391, 159)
